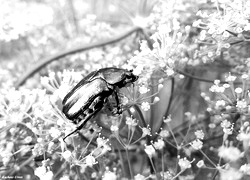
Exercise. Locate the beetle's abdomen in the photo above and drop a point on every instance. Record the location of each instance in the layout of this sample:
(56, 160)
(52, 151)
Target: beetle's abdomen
(86, 99)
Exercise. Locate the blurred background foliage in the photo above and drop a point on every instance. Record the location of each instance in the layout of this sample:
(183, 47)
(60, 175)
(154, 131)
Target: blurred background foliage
(32, 30)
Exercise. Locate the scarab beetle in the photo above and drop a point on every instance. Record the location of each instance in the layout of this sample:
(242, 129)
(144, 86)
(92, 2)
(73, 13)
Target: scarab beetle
(89, 96)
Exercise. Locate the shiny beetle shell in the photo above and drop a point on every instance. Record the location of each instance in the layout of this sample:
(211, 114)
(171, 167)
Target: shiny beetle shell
(83, 98)
(89, 96)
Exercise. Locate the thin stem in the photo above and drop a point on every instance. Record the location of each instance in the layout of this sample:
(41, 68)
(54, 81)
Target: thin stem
(215, 174)
(78, 172)
(122, 160)
(131, 137)
(129, 133)
(208, 158)
(129, 165)
(137, 140)
(162, 162)
(145, 98)
(178, 174)
(184, 138)
(152, 164)
(119, 140)
(87, 145)
(170, 143)
(173, 135)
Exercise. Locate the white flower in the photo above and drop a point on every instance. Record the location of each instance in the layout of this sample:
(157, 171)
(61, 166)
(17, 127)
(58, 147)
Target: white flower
(90, 160)
(228, 131)
(169, 72)
(40, 171)
(199, 134)
(167, 175)
(66, 155)
(229, 153)
(156, 99)
(108, 175)
(54, 132)
(60, 122)
(230, 78)
(131, 121)
(138, 70)
(168, 119)
(164, 133)
(245, 76)
(28, 139)
(143, 89)
(242, 136)
(150, 150)
(43, 174)
(145, 106)
(65, 178)
(217, 88)
(225, 124)
(159, 144)
(219, 104)
(230, 174)
(225, 34)
(114, 128)
(245, 169)
(102, 143)
(247, 27)
(241, 104)
(238, 90)
(139, 177)
(239, 30)
(105, 148)
(160, 86)
(47, 176)
(200, 164)
(146, 132)
(184, 163)
(196, 144)
(196, 23)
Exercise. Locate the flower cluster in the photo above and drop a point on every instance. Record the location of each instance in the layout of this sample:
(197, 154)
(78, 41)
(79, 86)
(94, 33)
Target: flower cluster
(223, 30)
(230, 99)
(168, 53)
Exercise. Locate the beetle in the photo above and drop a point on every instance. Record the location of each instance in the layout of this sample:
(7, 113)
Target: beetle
(90, 95)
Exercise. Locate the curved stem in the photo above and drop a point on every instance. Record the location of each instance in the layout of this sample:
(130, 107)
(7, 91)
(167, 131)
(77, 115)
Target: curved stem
(169, 104)
(201, 79)
(140, 114)
(82, 48)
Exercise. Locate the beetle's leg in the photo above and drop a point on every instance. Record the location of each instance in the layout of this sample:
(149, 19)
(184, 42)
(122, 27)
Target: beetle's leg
(83, 123)
(118, 105)
(78, 128)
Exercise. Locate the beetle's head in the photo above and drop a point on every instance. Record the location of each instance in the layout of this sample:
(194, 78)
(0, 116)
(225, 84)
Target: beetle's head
(129, 78)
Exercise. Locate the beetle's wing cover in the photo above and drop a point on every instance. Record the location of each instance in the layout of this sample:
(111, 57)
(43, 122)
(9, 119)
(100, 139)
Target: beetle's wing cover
(81, 98)
(81, 83)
